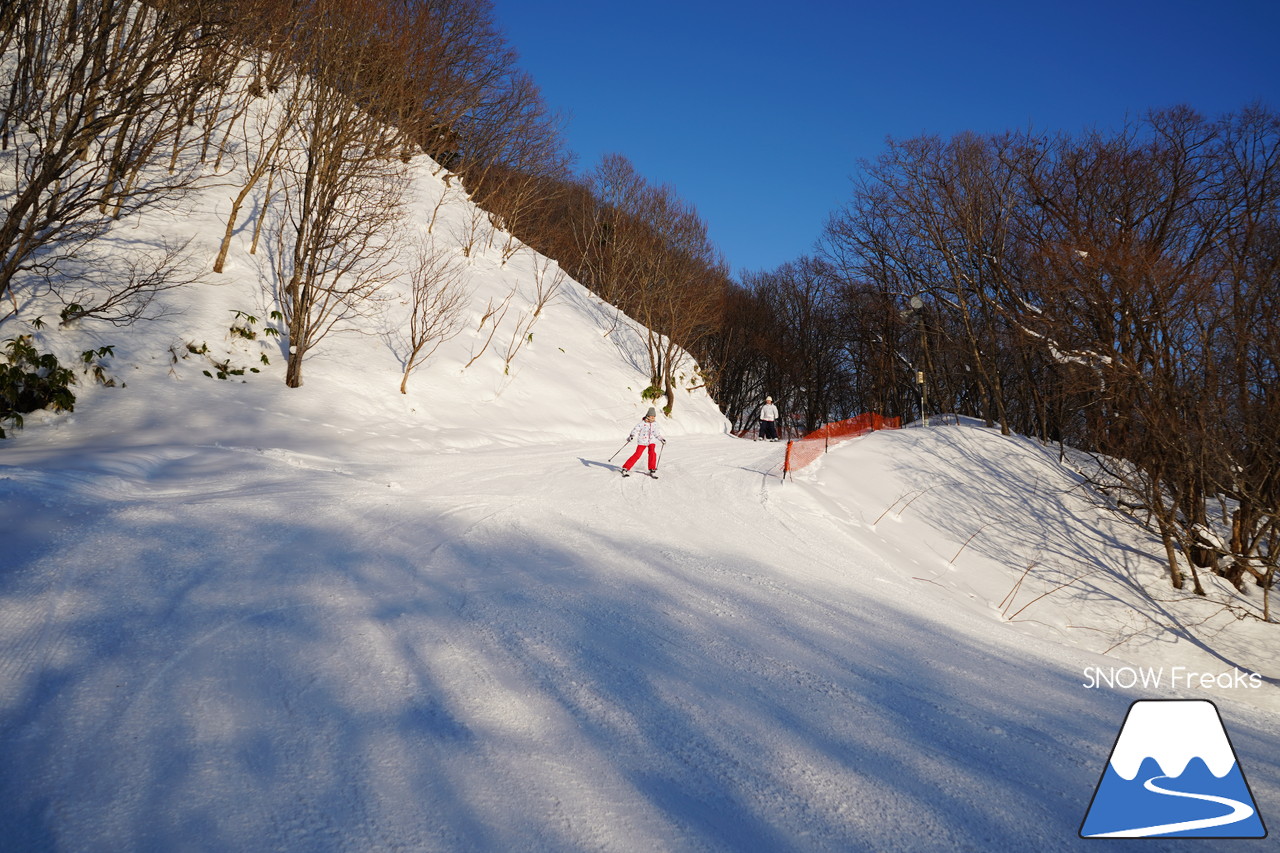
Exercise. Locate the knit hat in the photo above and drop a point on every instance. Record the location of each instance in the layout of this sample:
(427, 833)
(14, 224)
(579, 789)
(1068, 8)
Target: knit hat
(652, 413)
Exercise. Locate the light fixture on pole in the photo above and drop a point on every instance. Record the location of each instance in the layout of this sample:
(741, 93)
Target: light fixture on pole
(917, 304)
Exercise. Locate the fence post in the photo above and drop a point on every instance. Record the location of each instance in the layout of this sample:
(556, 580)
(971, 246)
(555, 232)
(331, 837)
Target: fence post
(786, 463)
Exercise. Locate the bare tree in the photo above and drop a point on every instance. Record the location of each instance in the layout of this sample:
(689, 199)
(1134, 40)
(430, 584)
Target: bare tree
(1096, 289)
(138, 278)
(94, 92)
(1241, 421)
(652, 256)
(495, 312)
(801, 301)
(264, 132)
(438, 296)
(546, 284)
(930, 220)
(455, 60)
(514, 157)
(344, 188)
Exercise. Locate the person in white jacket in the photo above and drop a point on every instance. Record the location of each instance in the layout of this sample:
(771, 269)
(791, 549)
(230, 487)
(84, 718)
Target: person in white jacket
(768, 420)
(646, 435)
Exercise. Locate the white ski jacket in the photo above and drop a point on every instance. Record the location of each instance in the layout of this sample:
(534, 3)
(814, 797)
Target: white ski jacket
(646, 433)
(768, 412)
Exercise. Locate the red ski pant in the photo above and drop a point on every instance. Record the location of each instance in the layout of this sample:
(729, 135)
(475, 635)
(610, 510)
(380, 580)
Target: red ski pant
(640, 448)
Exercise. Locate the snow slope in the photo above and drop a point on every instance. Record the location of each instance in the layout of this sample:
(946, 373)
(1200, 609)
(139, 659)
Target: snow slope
(235, 616)
(343, 639)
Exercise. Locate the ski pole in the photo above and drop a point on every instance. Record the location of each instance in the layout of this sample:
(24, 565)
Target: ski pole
(661, 447)
(619, 450)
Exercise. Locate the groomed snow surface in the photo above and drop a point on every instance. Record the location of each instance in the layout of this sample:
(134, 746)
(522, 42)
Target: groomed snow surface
(233, 620)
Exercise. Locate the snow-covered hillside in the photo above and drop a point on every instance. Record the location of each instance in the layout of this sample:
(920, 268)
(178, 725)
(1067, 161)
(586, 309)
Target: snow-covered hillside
(574, 370)
(232, 624)
(236, 616)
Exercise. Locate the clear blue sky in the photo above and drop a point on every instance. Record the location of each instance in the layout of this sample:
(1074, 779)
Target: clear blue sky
(759, 113)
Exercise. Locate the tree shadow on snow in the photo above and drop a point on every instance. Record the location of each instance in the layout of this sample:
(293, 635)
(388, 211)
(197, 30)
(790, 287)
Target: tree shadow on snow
(230, 675)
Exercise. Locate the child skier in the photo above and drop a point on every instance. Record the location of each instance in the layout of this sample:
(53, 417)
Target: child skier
(645, 434)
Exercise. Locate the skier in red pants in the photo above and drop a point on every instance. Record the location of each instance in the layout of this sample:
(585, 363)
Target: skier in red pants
(645, 434)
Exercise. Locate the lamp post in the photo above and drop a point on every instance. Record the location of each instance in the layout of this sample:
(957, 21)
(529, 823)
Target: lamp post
(917, 309)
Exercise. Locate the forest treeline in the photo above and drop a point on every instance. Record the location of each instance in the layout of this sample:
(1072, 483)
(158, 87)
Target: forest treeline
(112, 106)
(1111, 290)
(1117, 291)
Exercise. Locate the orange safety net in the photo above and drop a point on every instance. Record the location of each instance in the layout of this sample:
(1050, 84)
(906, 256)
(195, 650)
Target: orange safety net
(802, 451)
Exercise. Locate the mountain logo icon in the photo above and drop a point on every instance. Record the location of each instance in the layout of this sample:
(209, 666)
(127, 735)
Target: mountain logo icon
(1172, 774)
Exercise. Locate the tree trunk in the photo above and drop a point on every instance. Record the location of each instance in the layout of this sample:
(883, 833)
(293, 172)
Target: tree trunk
(293, 373)
(231, 227)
